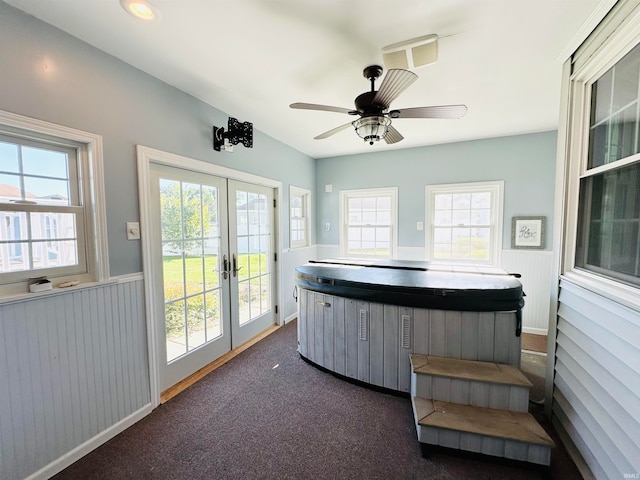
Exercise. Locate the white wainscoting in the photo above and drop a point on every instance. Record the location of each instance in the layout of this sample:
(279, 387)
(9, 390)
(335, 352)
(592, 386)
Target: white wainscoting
(290, 260)
(73, 372)
(535, 266)
(597, 373)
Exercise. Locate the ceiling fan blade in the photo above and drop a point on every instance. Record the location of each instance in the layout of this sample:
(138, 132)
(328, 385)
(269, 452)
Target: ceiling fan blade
(394, 83)
(324, 108)
(333, 131)
(393, 135)
(436, 111)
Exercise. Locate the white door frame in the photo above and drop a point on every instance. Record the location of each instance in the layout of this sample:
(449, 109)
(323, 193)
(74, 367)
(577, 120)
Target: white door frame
(146, 156)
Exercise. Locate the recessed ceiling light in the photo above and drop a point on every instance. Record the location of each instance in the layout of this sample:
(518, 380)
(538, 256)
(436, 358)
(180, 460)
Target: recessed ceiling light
(141, 9)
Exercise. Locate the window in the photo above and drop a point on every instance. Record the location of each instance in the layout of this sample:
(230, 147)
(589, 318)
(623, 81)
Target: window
(464, 222)
(50, 204)
(368, 219)
(608, 224)
(299, 217)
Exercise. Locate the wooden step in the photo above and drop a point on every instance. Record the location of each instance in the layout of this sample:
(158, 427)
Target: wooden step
(501, 433)
(481, 384)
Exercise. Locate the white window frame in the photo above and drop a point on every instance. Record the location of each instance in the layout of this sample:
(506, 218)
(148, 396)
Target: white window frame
(90, 183)
(496, 188)
(369, 192)
(611, 52)
(306, 218)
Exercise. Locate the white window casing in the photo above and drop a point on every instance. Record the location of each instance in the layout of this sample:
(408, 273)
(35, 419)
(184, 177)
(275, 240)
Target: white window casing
(299, 217)
(488, 220)
(86, 204)
(577, 168)
(369, 223)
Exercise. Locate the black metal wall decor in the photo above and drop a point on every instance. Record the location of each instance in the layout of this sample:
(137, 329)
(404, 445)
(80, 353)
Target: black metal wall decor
(236, 133)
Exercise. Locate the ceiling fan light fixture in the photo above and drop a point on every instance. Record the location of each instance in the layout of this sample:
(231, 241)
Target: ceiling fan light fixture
(372, 128)
(141, 9)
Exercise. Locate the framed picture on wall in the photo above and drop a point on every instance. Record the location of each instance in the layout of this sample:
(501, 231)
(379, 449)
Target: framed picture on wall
(527, 232)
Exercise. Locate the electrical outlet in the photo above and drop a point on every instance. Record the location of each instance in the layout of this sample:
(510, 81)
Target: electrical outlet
(420, 226)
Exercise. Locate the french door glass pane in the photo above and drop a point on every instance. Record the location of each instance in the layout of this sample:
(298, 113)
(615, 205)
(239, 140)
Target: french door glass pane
(191, 267)
(253, 247)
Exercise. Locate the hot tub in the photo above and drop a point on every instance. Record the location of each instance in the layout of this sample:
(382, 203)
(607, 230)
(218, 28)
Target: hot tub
(362, 320)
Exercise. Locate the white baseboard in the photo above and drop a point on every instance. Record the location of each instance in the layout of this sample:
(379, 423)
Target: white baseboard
(535, 331)
(290, 318)
(83, 449)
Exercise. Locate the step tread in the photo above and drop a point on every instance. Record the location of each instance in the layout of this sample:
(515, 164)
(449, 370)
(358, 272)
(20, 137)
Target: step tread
(469, 370)
(520, 426)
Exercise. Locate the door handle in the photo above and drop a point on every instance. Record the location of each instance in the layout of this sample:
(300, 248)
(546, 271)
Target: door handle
(236, 268)
(225, 267)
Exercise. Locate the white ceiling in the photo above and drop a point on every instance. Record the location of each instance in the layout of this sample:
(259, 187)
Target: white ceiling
(252, 58)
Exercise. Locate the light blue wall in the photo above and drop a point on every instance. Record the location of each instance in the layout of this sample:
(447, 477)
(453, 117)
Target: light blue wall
(50, 75)
(526, 163)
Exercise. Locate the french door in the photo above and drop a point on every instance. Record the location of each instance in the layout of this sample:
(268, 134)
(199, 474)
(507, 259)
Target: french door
(215, 270)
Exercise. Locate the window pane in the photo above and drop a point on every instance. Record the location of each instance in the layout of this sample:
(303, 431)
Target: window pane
(442, 235)
(461, 201)
(480, 217)
(46, 163)
(442, 217)
(601, 98)
(443, 201)
(614, 112)
(8, 157)
(481, 200)
(609, 220)
(625, 87)
(461, 217)
(10, 188)
(46, 190)
(54, 254)
(45, 225)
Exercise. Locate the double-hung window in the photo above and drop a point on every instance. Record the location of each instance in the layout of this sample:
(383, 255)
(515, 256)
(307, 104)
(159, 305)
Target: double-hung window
(464, 222)
(608, 212)
(50, 203)
(299, 217)
(369, 223)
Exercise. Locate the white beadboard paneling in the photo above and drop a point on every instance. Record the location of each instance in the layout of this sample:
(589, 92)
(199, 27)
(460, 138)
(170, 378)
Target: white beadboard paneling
(597, 373)
(289, 261)
(73, 365)
(536, 267)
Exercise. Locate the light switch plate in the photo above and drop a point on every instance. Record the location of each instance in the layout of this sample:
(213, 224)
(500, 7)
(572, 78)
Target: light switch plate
(133, 231)
(420, 226)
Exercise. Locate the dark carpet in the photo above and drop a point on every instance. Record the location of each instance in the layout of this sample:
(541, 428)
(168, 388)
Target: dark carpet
(267, 414)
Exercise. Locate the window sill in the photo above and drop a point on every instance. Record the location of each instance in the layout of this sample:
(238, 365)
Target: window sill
(614, 291)
(23, 297)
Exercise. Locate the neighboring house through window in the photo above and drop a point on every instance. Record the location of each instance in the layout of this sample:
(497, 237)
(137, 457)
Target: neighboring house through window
(464, 222)
(368, 219)
(49, 203)
(299, 201)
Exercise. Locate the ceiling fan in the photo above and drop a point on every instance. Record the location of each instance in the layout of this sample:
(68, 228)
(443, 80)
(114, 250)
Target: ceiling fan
(374, 123)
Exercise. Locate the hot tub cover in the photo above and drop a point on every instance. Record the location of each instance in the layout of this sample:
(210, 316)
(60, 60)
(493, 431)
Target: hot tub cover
(415, 284)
